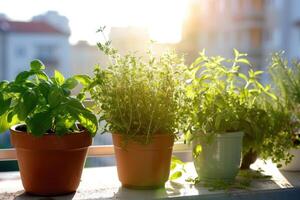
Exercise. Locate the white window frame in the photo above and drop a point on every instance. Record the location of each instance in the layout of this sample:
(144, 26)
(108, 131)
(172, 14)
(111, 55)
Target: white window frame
(94, 151)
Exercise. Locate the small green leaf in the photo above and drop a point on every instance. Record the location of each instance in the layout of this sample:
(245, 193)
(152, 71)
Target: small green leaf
(55, 96)
(85, 80)
(60, 79)
(28, 102)
(197, 150)
(86, 118)
(42, 76)
(244, 61)
(37, 65)
(236, 53)
(175, 175)
(4, 104)
(21, 77)
(70, 83)
(39, 123)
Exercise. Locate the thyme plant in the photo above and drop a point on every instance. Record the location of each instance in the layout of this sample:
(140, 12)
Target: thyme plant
(138, 96)
(222, 98)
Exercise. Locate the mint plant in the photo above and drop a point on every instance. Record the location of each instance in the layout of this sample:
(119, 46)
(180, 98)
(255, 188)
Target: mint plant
(45, 104)
(138, 96)
(222, 98)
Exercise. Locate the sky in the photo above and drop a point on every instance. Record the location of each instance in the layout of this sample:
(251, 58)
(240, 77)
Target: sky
(163, 18)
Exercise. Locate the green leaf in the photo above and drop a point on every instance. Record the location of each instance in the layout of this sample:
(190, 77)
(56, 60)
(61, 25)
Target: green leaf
(21, 77)
(4, 124)
(243, 76)
(3, 84)
(175, 175)
(86, 118)
(37, 65)
(64, 123)
(4, 104)
(55, 96)
(256, 73)
(28, 102)
(85, 80)
(39, 123)
(197, 150)
(236, 53)
(60, 79)
(42, 76)
(70, 83)
(244, 61)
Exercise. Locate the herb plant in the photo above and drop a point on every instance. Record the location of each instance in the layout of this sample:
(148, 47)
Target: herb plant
(45, 104)
(286, 115)
(222, 98)
(138, 96)
(286, 79)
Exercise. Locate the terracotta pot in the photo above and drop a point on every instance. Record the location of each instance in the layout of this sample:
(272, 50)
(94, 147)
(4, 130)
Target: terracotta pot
(50, 165)
(143, 166)
(248, 159)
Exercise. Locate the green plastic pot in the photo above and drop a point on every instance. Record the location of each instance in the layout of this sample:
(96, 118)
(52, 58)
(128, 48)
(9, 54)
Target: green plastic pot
(220, 159)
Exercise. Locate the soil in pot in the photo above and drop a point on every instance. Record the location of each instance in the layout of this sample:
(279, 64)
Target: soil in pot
(248, 159)
(220, 159)
(143, 166)
(50, 165)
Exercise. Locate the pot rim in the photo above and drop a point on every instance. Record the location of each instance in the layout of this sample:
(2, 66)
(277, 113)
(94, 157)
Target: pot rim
(141, 136)
(26, 140)
(13, 129)
(230, 134)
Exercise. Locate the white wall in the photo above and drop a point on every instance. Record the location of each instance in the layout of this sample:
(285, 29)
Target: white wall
(28, 43)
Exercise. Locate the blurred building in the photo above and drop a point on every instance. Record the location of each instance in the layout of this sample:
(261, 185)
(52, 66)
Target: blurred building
(84, 57)
(130, 39)
(21, 42)
(257, 27)
(54, 19)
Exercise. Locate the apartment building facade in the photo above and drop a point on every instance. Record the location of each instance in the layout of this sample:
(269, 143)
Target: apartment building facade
(20, 42)
(257, 27)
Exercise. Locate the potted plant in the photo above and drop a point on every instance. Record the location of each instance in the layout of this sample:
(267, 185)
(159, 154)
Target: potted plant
(224, 109)
(138, 99)
(50, 129)
(285, 78)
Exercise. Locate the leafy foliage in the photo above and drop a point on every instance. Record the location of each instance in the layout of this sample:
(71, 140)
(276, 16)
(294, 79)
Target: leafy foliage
(222, 98)
(44, 104)
(138, 96)
(286, 79)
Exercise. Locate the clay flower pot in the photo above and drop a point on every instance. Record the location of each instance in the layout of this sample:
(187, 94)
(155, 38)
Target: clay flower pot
(143, 166)
(51, 164)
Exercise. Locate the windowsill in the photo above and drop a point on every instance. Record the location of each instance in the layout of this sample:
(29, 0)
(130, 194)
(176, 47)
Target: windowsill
(102, 183)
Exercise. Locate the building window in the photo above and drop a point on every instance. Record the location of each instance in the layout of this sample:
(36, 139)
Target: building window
(47, 54)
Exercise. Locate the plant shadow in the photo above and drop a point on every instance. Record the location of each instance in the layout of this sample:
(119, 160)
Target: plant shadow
(126, 193)
(27, 196)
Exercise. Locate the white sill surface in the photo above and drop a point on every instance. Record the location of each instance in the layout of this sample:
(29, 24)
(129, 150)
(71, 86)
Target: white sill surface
(102, 183)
